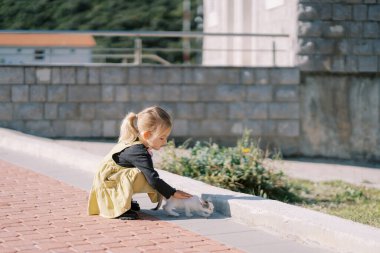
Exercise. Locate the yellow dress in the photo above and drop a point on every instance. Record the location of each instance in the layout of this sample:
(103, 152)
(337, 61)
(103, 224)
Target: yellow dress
(114, 185)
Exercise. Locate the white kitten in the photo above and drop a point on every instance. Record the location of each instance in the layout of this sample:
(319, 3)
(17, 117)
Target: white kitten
(201, 207)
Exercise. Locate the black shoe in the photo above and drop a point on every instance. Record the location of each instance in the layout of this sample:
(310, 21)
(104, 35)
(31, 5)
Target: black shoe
(129, 215)
(135, 206)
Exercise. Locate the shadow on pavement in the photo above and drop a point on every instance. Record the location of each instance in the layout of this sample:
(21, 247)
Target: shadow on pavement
(222, 205)
(163, 216)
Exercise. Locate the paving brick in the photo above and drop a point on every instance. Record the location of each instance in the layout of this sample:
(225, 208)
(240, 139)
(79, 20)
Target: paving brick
(71, 230)
(52, 245)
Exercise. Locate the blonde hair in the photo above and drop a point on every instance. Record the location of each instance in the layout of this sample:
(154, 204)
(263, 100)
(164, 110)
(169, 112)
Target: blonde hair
(150, 119)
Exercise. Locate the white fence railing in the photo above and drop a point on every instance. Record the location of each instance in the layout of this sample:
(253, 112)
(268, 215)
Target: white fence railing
(140, 47)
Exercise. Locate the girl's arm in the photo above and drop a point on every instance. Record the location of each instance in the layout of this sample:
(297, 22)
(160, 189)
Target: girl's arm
(139, 157)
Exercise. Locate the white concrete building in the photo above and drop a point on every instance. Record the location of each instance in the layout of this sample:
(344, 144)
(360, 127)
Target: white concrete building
(250, 16)
(45, 48)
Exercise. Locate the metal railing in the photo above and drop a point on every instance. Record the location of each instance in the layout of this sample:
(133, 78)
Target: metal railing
(136, 53)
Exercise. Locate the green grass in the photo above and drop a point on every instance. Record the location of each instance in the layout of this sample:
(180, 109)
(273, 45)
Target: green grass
(356, 203)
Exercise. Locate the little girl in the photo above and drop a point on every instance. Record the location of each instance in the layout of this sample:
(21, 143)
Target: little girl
(128, 167)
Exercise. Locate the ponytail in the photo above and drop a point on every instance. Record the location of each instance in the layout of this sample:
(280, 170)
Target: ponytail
(128, 131)
(150, 119)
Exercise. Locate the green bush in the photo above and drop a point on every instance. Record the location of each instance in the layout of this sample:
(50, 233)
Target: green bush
(240, 168)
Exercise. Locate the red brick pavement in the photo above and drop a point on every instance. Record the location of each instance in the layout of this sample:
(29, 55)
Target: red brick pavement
(41, 214)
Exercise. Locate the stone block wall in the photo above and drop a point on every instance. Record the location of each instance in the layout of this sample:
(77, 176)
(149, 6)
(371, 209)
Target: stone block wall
(339, 58)
(340, 36)
(205, 102)
(340, 116)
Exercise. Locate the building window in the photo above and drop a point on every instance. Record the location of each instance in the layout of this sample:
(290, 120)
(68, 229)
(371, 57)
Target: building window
(39, 54)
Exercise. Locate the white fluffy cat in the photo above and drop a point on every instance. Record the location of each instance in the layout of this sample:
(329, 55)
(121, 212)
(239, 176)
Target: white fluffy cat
(194, 204)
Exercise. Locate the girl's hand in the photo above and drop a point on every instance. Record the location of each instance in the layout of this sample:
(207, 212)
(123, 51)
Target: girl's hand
(181, 195)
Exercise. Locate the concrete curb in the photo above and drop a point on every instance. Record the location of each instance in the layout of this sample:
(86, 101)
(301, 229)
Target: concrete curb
(290, 221)
(48, 149)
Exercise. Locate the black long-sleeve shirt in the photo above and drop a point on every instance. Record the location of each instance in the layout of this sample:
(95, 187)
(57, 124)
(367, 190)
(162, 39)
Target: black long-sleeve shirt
(139, 157)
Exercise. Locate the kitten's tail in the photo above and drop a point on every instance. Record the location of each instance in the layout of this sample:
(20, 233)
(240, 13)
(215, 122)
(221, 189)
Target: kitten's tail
(159, 202)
